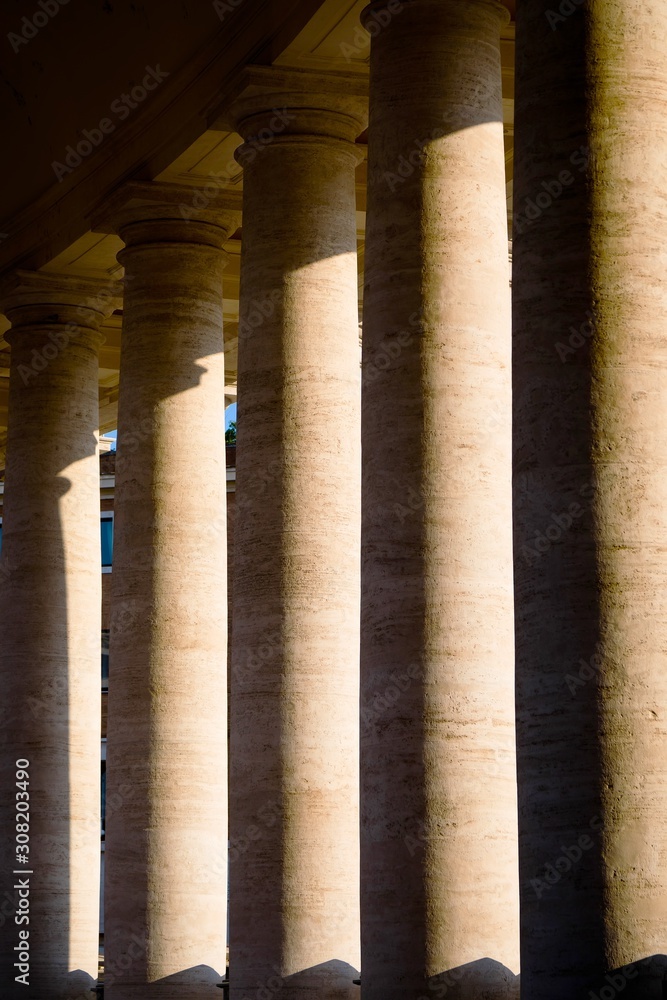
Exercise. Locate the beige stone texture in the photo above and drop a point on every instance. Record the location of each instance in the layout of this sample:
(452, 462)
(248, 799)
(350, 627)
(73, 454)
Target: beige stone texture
(294, 866)
(50, 634)
(590, 354)
(439, 898)
(166, 852)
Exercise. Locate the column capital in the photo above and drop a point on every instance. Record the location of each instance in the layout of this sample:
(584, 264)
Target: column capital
(40, 298)
(147, 212)
(277, 105)
(371, 19)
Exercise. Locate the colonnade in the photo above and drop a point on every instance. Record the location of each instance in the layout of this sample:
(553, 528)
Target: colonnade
(374, 752)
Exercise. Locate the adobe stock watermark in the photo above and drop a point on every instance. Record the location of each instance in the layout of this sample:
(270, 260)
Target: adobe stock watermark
(6, 568)
(253, 660)
(525, 484)
(566, 9)
(142, 431)
(570, 856)
(414, 502)
(617, 981)
(30, 26)
(267, 816)
(224, 7)
(257, 311)
(55, 688)
(454, 119)
(258, 484)
(558, 525)
(122, 107)
(587, 670)
(40, 358)
(407, 165)
(219, 179)
(268, 989)
(60, 339)
(124, 615)
(390, 350)
(136, 949)
(577, 338)
(441, 985)
(551, 191)
(374, 23)
(245, 497)
(382, 701)
(500, 766)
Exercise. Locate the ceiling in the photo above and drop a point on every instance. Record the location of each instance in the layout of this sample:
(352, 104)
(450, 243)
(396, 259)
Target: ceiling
(180, 136)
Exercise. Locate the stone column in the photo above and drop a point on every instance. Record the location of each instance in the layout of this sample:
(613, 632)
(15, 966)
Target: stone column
(295, 663)
(590, 306)
(439, 903)
(50, 602)
(166, 841)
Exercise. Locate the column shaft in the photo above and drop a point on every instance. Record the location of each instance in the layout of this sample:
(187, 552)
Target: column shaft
(166, 854)
(295, 663)
(439, 865)
(590, 304)
(50, 642)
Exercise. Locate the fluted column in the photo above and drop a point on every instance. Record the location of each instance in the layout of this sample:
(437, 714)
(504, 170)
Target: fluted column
(590, 306)
(166, 840)
(295, 662)
(50, 602)
(439, 897)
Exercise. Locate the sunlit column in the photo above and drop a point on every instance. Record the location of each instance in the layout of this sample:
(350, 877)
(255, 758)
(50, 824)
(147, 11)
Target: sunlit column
(590, 377)
(166, 840)
(295, 663)
(50, 601)
(439, 883)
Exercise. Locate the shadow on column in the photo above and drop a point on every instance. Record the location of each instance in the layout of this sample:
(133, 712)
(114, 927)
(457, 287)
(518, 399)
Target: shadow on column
(559, 595)
(33, 674)
(35, 646)
(645, 979)
(151, 695)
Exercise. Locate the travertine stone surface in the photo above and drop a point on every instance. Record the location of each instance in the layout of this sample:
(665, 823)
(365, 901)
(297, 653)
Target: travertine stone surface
(50, 633)
(590, 420)
(166, 870)
(295, 664)
(439, 867)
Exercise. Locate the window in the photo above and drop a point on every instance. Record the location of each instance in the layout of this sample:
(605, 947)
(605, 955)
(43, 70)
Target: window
(106, 528)
(103, 788)
(104, 798)
(105, 659)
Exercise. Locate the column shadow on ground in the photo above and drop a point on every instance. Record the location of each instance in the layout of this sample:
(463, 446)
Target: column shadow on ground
(484, 979)
(645, 979)
(333, 980)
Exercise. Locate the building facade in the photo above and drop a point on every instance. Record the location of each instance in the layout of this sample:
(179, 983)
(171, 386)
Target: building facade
(447, 736)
